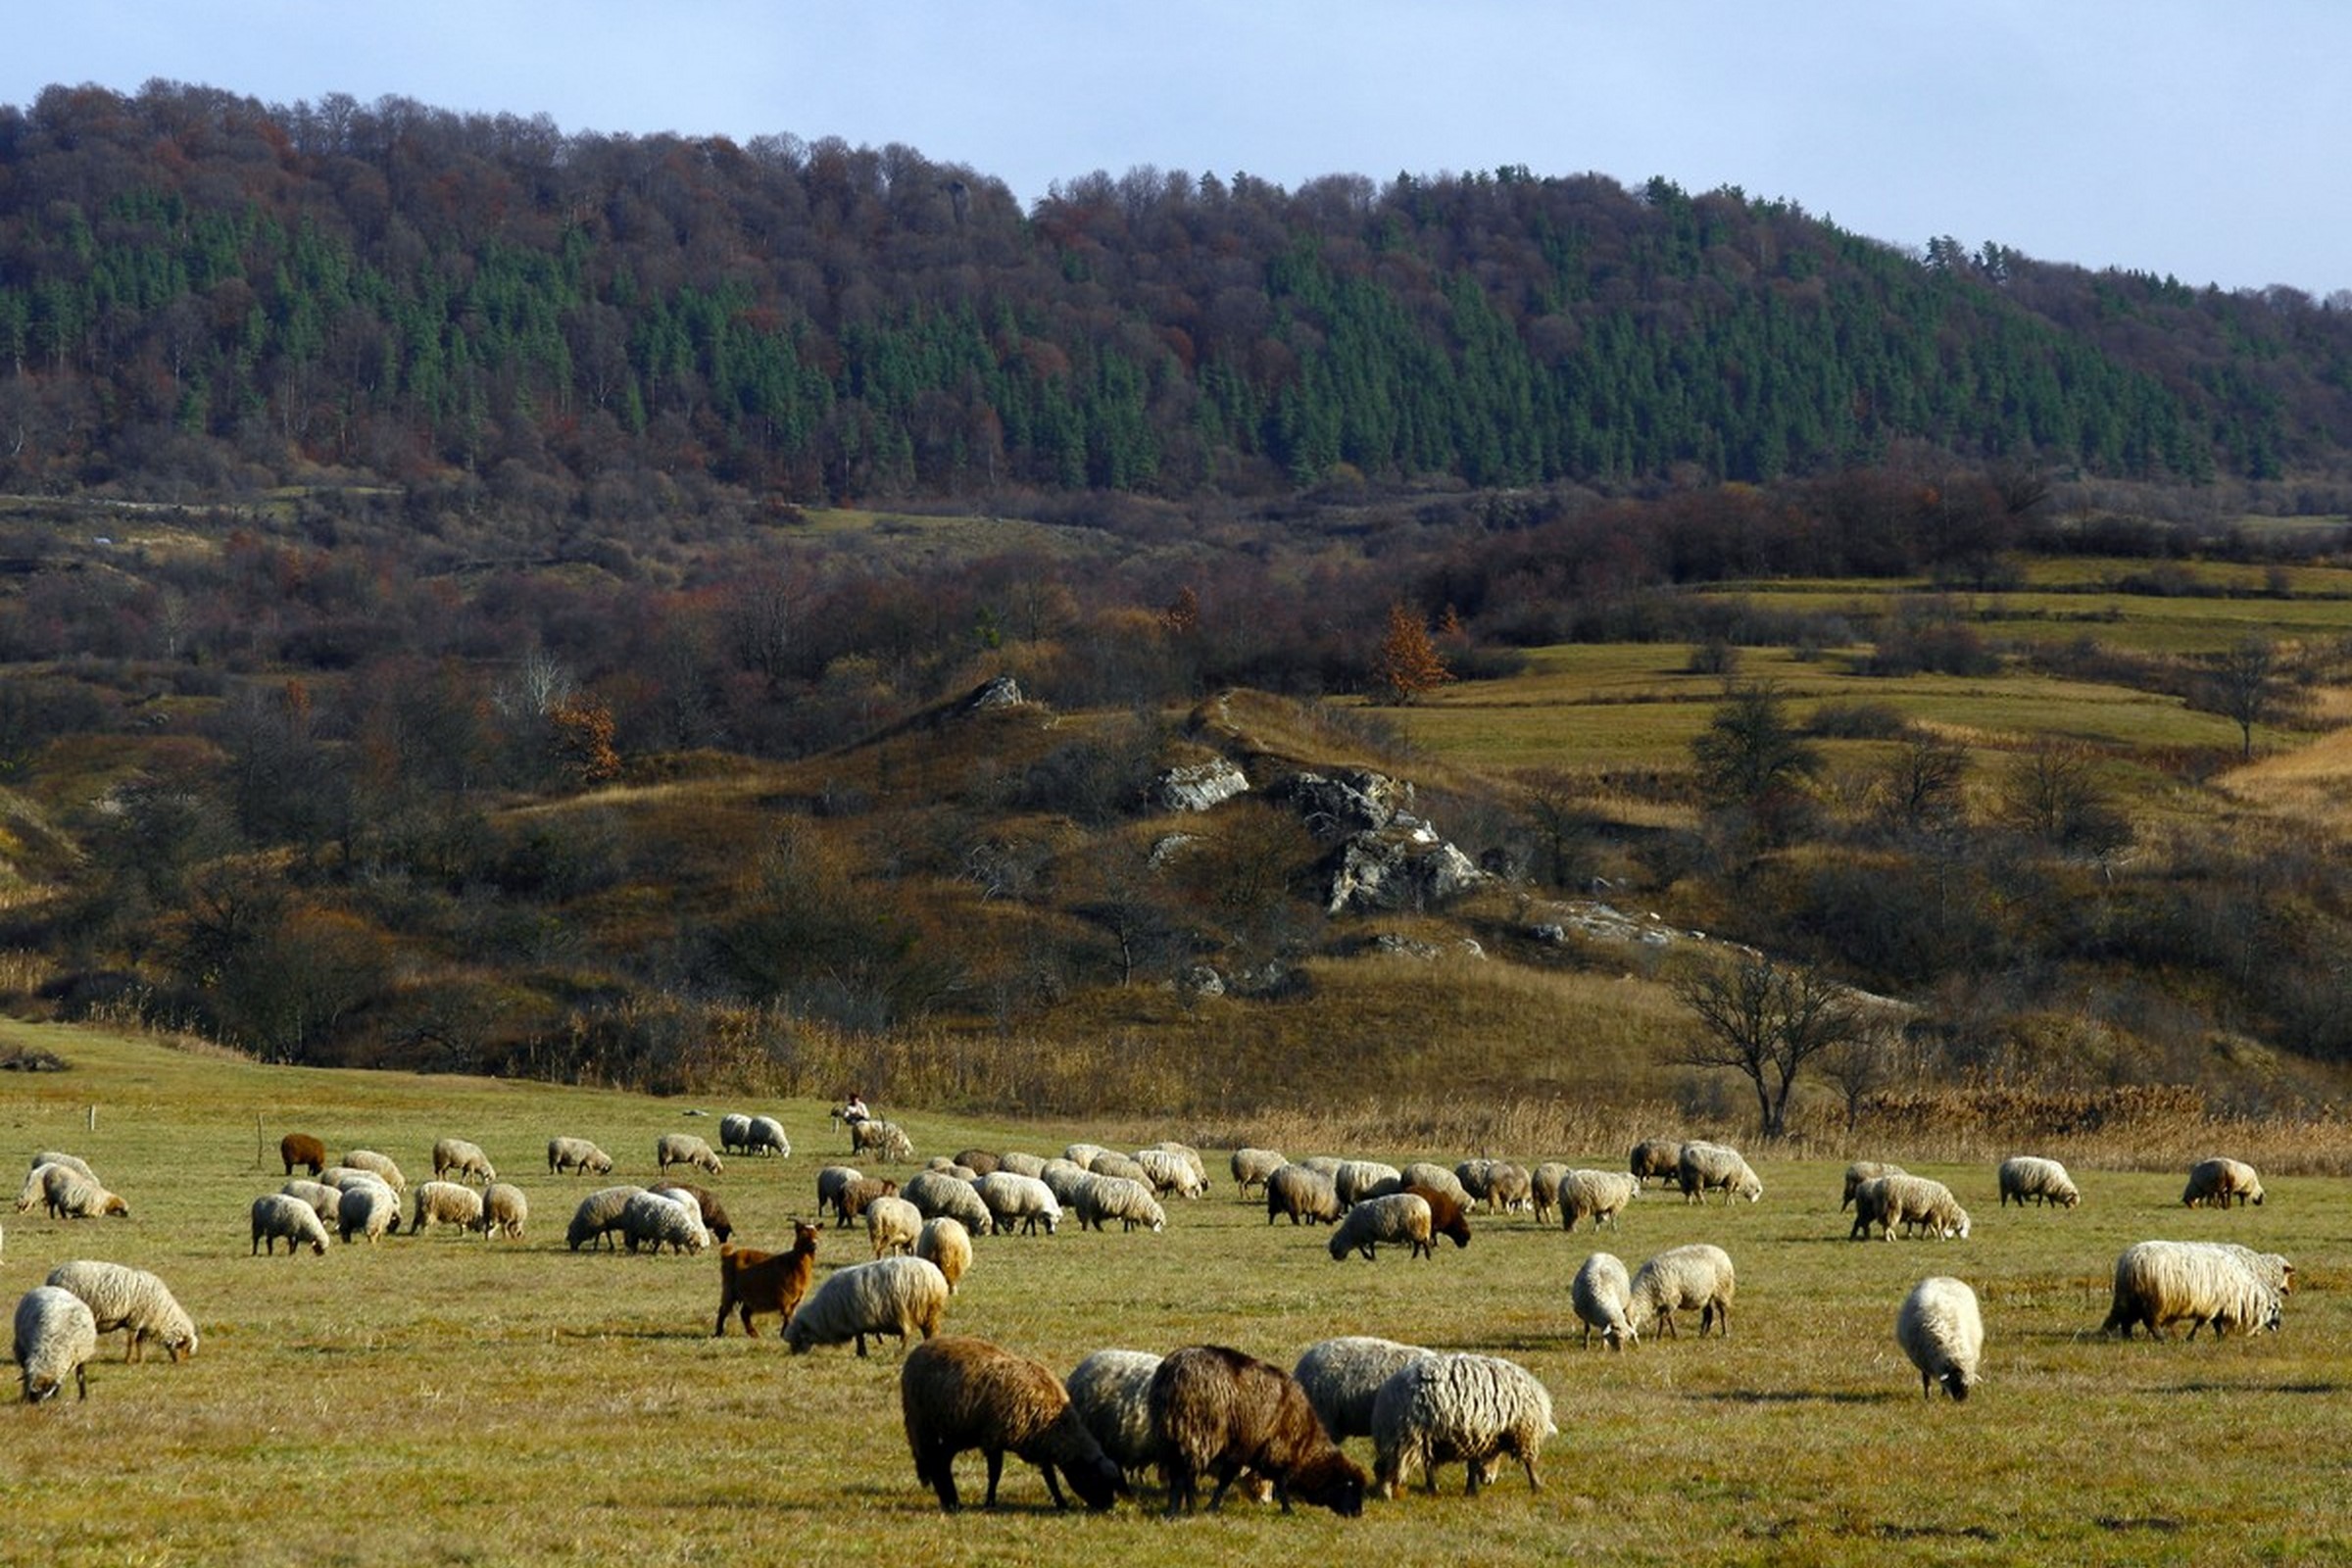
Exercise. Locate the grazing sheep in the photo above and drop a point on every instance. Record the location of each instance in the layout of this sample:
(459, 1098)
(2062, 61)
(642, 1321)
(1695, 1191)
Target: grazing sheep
(564, 1155)
(892, 1224)
(752, 1282)
(2271, 1268)
(1302, 1195)
(1064, 1180)
(1432, 1177)
(981, 1161)
(653, 1221)
(1885, 1203)
(365, 1211)
(767, 1138)
(1602, 1296)
(850, 1198)
(344, 1177)
(1702, 1167)
(1657, 1158)
(1595, 1194)
(2045, 1181)
(301, 1149)
(1399, 1219)
(936, 1193)
(1342, 1379)
(1865, 1170)
(886, 1139)
(70, 1195)
(56, 1335)
(1943, 1333)
(36, 1184)
(465, 1159)
(1476, 1176)
(957, 1393)
(381, 1165)
(2157, 1283)
(1323, 1164)
(599, 1216)
(1252, 1166)
(1474, 1408)
(1112, 1392)
(1022, 1201)
(831, 1179)
(1110, 1162)
(439, 1202)
(505, 1211)
(945, 1241)
(1021, 1165)
(1355, 1179)
(1509, 1188)
(1215, 1410)
(706, 1204)
(1543, 1187)
(1107, 1197)
(276, 1216)
(1447, 1216)
(734, 1132)
(1169, 1171)
(685, 1148)
(2216, 1180)
(328, 1201)
(901, 1295)
(73, 1163)
(132, 1300)
(1084, 1156)
(1696, 1275)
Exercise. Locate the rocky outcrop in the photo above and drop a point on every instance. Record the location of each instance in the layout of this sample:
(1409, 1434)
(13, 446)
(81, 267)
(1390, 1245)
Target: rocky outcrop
(1398, 868)
(1198, 786)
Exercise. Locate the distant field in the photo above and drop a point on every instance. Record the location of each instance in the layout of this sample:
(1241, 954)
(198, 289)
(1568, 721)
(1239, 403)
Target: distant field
(448, 1400)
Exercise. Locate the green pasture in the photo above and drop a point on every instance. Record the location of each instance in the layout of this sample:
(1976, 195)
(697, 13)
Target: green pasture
(447, 1399)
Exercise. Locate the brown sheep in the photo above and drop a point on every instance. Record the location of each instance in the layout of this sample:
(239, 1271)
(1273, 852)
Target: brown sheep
(960, 1392)
(1447, 1216)
(1656, 1157)
(301, 1149)
(979, 1161)
(1302, 1193)
(1216, 1409)
(851, 1198)
(714, 1212)
(752, 1282)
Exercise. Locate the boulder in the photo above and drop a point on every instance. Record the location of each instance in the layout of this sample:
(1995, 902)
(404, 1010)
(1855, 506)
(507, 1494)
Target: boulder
(1198, 786)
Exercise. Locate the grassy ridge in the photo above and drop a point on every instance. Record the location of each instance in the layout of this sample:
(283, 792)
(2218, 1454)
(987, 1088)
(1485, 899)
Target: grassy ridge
(448, 1400)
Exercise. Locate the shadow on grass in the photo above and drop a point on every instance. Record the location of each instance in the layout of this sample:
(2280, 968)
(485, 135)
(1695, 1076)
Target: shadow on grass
(1795, 1397)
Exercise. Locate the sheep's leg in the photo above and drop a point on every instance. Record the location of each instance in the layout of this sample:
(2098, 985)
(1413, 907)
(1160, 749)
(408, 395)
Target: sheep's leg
(860, 1344)
(996, 1473)
(1534, 1483)
(938, 1468)
(1054, 1486)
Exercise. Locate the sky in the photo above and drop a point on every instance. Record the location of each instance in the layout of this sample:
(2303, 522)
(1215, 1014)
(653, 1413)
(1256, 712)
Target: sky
(2180, 138)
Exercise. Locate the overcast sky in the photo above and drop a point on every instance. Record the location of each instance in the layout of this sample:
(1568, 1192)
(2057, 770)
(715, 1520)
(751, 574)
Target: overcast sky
(2205, 140)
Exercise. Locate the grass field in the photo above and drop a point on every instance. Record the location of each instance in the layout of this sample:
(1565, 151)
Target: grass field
(446, 1399)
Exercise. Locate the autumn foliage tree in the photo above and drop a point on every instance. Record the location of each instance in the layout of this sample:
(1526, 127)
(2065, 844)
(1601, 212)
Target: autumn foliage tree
(1409, 663)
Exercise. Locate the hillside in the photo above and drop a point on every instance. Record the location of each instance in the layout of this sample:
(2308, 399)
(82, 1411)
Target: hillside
(201, 294)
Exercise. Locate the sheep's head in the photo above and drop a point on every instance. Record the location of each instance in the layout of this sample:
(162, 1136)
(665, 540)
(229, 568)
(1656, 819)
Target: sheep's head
(1330, 1480)
(116, 1206)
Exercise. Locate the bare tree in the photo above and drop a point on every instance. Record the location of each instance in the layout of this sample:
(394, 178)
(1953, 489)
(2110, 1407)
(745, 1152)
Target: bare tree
(1766, 1021)
(2244, 687)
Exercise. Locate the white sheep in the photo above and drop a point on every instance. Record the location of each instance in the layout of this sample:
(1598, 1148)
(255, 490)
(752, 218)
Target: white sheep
(1252, 1166)
(365, 1211)
(1885, 1203)
(1084, 1156)
(2272, 1269)
(898, 1296)
(1604, 1298)
(465, 1159)
(1701, 1168)
(70, 1195)
(1594, 1195)
(1943, 1333)
(599, 1215)
(1304, 1194)
(1100, 1199)
(505, 1211)
(936, 1193)
(767, 1138)
(1354, 1180)
(1112, 1392)
(1064, 1179)
(2045, 1181)
(56, 1335)
(1432, 1175)
(651, 1220)
(439, 1202)
(734, 1132)
(1401, 1218)
(1865, 1170)
(945, 1243)
(892, 1225)
(2157, 1283)
(132, 1300)
(1343, 1378)
(276, 1217)
(1694, 1275)
(884, 1138)
(687, 1148)
(1170, 1171)
(1013, 1201)
(383, 1165)
(328, 1201)
(1110, 1162)
(1475, 1409)
(576, 1154)
(73, 1163)
(36, 1185)
(342, 1178)
(1021, 1165)
(2218, 1179)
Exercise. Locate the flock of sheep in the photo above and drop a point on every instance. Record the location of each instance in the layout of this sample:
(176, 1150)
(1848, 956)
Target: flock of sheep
(1203, 1411)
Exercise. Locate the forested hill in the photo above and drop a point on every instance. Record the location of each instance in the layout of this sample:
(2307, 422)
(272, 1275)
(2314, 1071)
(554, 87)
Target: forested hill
(199, 291)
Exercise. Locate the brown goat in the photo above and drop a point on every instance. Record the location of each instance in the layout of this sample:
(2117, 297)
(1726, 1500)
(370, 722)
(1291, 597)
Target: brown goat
(1447, 1216)
(1216, 1409)
(751, 1281)
(301, 1149)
